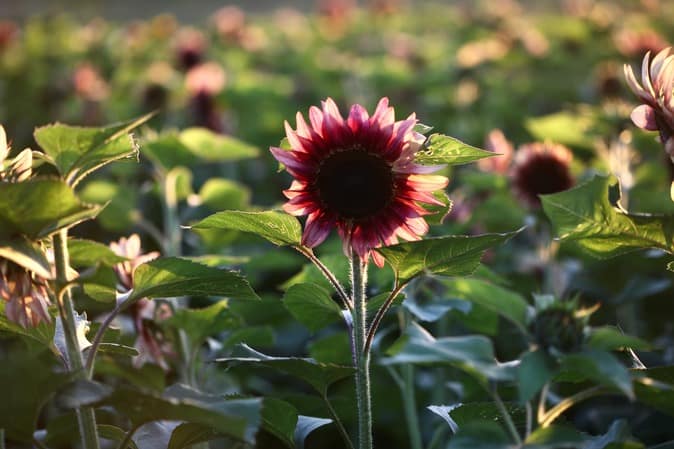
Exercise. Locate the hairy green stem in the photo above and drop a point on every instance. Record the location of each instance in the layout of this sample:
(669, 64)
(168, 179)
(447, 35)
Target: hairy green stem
(85, 415)
(2, 438)
(363, 394)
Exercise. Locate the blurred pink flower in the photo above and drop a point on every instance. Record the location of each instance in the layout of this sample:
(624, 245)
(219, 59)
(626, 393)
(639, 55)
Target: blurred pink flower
(229, 22)
(89, 84)
(497, 143)
(9, 31)
(25, 294)
(129, 247)
(632, 42)
(657, 92)
(190, 46)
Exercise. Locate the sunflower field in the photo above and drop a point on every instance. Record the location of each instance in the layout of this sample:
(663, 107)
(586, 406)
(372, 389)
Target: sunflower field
(376, 224)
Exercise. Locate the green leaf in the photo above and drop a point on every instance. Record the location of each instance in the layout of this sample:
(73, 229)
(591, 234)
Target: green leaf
(567, 128)
(312, 306)
(42, 333)
(88, 253)
(77, 151)
(277, 227)
(480, 435)
(251, 335)
(600, 366)
(464, 414)
(110, 432)
(536, 368)
(472, 353)
(120, 201)
(506, 303)
(585, 215)
(39, 207)
(29, 382)
(280, 419)
(199, 324)
(555, 437)
(173, 277)
(167, 151)
(82, 392)
(188, 434)
(25, 253)
(655, 387)
(212, 147)
(448, 256)
(306, 425)
(224, 194)
(238, 418)
(610, 338)
(319, 375)
(441, 149)
(335, 348)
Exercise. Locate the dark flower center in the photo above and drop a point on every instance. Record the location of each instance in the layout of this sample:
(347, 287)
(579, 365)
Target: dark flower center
(355, 184)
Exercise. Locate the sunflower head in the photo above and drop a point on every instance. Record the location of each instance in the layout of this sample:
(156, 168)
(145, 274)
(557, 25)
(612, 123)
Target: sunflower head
(357, 175)
(539, 169)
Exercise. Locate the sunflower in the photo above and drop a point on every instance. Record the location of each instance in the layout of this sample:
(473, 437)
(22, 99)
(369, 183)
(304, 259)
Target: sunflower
(358, 175)
(539, 169)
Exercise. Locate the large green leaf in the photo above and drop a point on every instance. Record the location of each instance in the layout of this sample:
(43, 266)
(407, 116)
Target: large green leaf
(27, 254)
(610, 338)
(224, 194)
(29, 382)
(536, 368)
(238, 418)
(481, 435)
(599, 366)
(319, 375)
(212, 147)
(505, 302)
(472, 353)
(88, 253)
(188, 434)
(39, 207)
(449, 256)
(442, 149)
(280, 419)
(199, 324)
(311, 305)
(656, 387)
(173, 277)
(585, 215)
(77, 151)
(277, 227)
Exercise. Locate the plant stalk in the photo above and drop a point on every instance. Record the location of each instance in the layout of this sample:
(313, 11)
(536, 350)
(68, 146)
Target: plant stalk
(85, 415)
(363, 394)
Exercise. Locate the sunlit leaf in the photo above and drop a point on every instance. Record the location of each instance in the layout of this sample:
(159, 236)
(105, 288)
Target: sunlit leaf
(26, 254)
(277, 227)
(448, 256)
(201, 323)
(442, 149)
(212, 147)
(39, 207)
(585, 215)
(174, 277)
(77, 151)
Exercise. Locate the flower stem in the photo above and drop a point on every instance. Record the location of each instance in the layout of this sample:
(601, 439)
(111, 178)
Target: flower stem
(363, 394)
(506, 417)
(85, 415)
